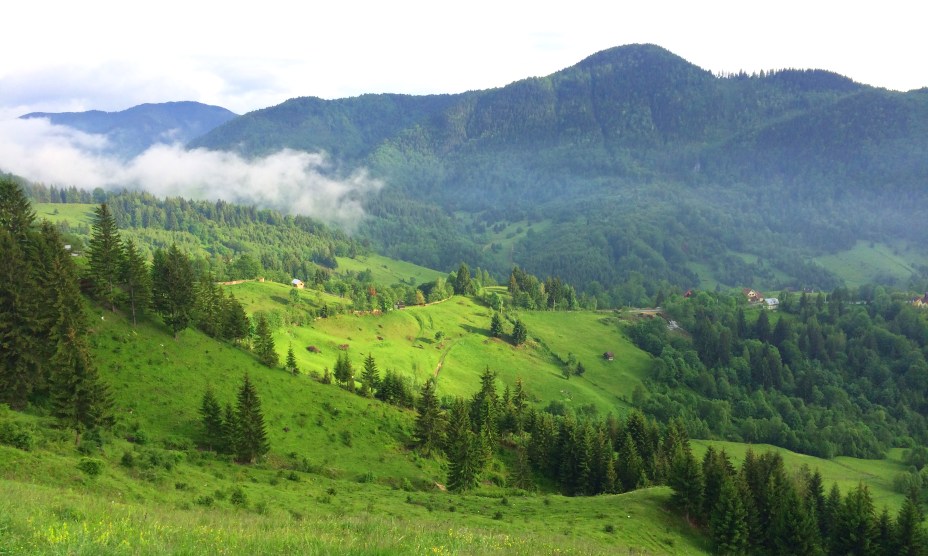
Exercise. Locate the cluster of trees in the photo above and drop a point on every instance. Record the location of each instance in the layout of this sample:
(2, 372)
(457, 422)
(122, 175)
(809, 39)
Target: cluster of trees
(580, 456)
(762, 509)
(45, 359)
(238, 431)
(391, 388)
(528, 292)
(230, 241)
(825, 375)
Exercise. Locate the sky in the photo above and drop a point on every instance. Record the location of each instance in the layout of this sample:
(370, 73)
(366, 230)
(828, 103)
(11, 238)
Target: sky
(61, 56)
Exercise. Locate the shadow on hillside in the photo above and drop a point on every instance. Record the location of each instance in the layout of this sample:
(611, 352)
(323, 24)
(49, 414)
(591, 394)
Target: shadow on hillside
(475, 329)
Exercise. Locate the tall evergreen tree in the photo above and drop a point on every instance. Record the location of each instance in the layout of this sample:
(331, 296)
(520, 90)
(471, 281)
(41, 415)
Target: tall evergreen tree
(686, 481)
(485, 408)
(264, 343)
(291, 362)
(429, 430)
(16, 214)
(211, 420)
(230, 435)
(908, 533)
(519, 333)
(496, 326)
(136, 280)
(856, 523)
(105, 257)
(463, 449)
(251, 435)
(728, 519)
(370, 376)
(19, 361)
(208, 306)
(173, 288)
(79, 397)
(235, 325)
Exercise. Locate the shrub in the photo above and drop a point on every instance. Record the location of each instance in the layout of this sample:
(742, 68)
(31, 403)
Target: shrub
(16, 435)
(92, 467)
(238, 497)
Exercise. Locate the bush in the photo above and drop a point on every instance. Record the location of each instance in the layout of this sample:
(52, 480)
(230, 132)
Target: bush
(238, 497)
(16, 435)
(92, 467)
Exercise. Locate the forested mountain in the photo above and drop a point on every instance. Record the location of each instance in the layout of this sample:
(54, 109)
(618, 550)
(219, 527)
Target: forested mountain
(132, 131)
(633, 166)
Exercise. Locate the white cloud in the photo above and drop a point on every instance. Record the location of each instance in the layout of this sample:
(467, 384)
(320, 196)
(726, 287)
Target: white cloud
(291, 181)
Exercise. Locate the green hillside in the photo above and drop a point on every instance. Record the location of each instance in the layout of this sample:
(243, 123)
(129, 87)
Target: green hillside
(641, 167)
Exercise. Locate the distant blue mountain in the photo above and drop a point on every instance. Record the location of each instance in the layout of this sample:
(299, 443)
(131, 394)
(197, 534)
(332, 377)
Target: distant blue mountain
(132, 131)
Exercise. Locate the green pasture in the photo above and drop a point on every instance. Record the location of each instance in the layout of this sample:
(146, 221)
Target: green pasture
(873, 263)
(388, 271)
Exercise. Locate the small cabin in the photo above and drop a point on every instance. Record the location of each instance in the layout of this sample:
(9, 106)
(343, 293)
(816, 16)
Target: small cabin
(772, 303)
(297, 283)
(609, 356)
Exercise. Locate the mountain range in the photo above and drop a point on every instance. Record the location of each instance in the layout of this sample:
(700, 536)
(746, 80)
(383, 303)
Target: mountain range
(627, 172)
(132, 131)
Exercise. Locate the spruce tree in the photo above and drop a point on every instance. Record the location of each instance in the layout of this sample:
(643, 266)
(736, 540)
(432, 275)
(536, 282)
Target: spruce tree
(728, 520)
(208, 306)
(80, 399)
(686, 481)
(173, 288)
(519, 333)
(856, 523)
(909, 536)
(429, 429)
(136, 280)
(105, 257)
(251, 436)
(370, 376)
(235, 325)
(211, 419)
(496, 326)
(264, 343)
(463, 450)
(291, 362)
(16, 214)
(19, 361)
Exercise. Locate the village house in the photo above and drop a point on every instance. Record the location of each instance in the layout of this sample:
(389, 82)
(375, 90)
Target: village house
(297, 283)
(772, 303)
(921, 302)
(753, 295)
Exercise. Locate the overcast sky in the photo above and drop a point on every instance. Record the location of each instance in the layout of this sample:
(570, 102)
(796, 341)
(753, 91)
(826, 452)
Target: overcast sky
(72, 56)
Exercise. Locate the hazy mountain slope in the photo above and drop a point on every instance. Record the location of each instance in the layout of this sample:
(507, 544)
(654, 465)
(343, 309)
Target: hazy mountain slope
(133, 130)
(759, 173)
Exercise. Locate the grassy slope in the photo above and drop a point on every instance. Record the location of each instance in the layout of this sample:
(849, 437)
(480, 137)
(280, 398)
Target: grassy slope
(865, 263)
(372, 496)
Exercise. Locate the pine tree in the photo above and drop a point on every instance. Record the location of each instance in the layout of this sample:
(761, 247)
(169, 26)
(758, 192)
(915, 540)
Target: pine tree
(211, 419)
(208, 306)
(172, 288)
(105, 256)
(485, 408)
(686, 481)
(264, 343)
(496, 326)
(16, 214)
(251, 436)
(908, 532)
(79, 397)
(370, 376)
(136, 280)
(855, 523)
(728, 519)
(19, 363)
(463, 450)
(344, 370)
(519, 333)
(429, 430)
(291, 362)
(235, 323)
(630, 468)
